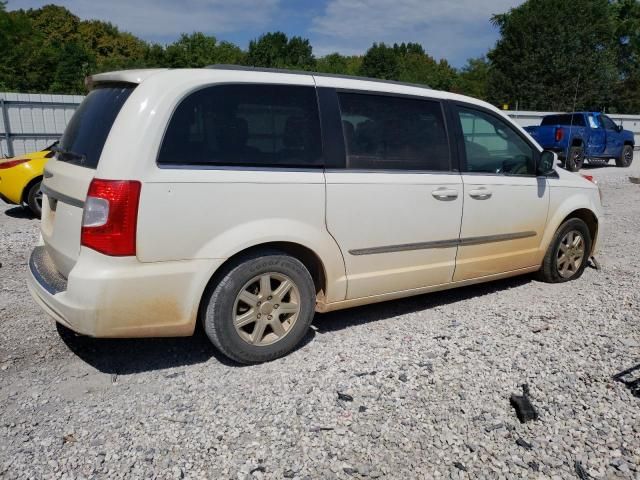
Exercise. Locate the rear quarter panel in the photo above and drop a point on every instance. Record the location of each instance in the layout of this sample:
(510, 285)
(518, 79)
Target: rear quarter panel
(214, 214)
(188, 213)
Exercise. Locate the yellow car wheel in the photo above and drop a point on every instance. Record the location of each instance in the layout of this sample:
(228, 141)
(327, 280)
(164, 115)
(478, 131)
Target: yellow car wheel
(34, 198)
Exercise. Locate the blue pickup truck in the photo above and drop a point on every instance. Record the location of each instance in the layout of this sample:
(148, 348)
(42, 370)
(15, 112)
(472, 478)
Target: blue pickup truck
(581, 136)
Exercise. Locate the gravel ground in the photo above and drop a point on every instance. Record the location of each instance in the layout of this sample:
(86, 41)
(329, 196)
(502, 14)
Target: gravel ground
(425, 383)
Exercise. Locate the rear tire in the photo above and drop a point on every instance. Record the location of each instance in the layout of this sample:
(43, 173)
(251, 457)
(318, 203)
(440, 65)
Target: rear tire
(568, 253)
(575, 158)
(261, 307)
(626, 157)
(34, 198)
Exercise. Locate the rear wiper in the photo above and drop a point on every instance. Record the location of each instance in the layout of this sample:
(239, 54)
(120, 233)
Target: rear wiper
(68, 153)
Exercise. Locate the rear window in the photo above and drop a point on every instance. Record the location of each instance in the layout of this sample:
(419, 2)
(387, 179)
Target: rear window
(576, 119)
(251, 125)
(84, 137)
(393, 133)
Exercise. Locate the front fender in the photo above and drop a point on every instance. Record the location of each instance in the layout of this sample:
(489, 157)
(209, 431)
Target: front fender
(565, 201)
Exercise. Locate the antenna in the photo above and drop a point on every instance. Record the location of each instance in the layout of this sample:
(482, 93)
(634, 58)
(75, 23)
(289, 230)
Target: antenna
(575, 100)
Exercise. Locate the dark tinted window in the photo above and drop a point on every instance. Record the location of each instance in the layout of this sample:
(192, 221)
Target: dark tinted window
(576, 119)
(84, 137)
(608, 123)
(255, 125)
(385, 132)
(492, 146)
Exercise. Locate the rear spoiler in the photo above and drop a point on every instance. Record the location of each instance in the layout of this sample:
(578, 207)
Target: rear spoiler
(121, 76)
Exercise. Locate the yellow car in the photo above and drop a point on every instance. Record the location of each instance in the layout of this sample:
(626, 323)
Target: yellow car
(20, 178)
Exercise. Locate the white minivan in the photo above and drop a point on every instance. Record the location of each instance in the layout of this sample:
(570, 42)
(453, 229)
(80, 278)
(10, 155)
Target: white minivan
(248, 198)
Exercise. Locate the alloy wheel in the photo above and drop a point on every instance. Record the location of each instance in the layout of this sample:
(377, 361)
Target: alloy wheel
(38, 198)
(266, 309)
(570, 254)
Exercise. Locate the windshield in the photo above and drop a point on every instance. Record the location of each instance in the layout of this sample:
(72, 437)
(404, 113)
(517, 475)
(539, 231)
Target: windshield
(84, 137)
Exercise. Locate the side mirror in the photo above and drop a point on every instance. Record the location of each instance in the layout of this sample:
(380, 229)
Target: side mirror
(619, 128)
(546, 163)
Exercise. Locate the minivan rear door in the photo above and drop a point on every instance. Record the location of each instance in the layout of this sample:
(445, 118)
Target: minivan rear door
(67, 176)
(395, 207)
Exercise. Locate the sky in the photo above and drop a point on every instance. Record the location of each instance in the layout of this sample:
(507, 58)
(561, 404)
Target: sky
(451, 29)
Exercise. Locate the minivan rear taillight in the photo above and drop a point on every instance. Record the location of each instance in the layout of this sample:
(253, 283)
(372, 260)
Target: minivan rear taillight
(110, 217)
(559, 133)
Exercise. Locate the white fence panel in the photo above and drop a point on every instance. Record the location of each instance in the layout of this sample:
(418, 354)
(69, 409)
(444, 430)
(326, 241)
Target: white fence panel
(32, 121)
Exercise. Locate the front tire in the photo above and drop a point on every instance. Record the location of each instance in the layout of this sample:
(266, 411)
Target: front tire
(568, 253)
(575, 158)
(34, 198)
(626, 157)
(261, 307)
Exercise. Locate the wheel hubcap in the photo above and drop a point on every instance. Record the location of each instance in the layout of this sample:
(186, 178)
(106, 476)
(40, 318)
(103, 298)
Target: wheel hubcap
(266, 309)
(628, 155)
(570, 254)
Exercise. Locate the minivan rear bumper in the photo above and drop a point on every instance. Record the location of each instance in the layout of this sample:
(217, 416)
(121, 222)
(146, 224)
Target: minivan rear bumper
(120, 297)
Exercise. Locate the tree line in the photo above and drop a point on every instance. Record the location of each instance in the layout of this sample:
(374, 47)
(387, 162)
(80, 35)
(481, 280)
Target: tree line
(551, 55)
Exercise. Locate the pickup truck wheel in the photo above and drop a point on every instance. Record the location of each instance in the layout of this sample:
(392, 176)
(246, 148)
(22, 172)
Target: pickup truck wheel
(261, 308)
(568, 253)
(575, 159)
(626, 157)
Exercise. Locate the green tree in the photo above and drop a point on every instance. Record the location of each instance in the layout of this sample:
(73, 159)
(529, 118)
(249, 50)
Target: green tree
(276, 50)
(111, 48)
(57, 24)
(422, 68)
(381, 61)
(627, 33)
(198, 50)
(26, 63)
(552, 51)
(73, 64)
(332, 63)
(191, 51)
(473, 78)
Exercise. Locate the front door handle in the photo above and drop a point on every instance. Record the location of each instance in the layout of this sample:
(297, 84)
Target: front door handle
(445, 194)
(480, 193)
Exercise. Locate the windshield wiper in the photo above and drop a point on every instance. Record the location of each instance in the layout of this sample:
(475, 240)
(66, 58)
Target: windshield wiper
(68, 153)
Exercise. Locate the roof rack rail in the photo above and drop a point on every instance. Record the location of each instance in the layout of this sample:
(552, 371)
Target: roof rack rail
(222, 66)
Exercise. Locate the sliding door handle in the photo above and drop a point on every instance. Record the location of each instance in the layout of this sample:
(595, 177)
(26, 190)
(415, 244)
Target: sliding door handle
(445, 194)
(480, 194)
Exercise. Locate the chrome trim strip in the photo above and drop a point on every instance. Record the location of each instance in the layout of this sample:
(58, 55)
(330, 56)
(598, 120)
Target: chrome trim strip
(405, 247)
(496, 238)
(443, 243)
(61, 197)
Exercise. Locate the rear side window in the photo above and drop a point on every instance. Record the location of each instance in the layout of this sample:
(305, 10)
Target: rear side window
(252, 125)
(86, 134)
(576, 119)
(387, 132)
